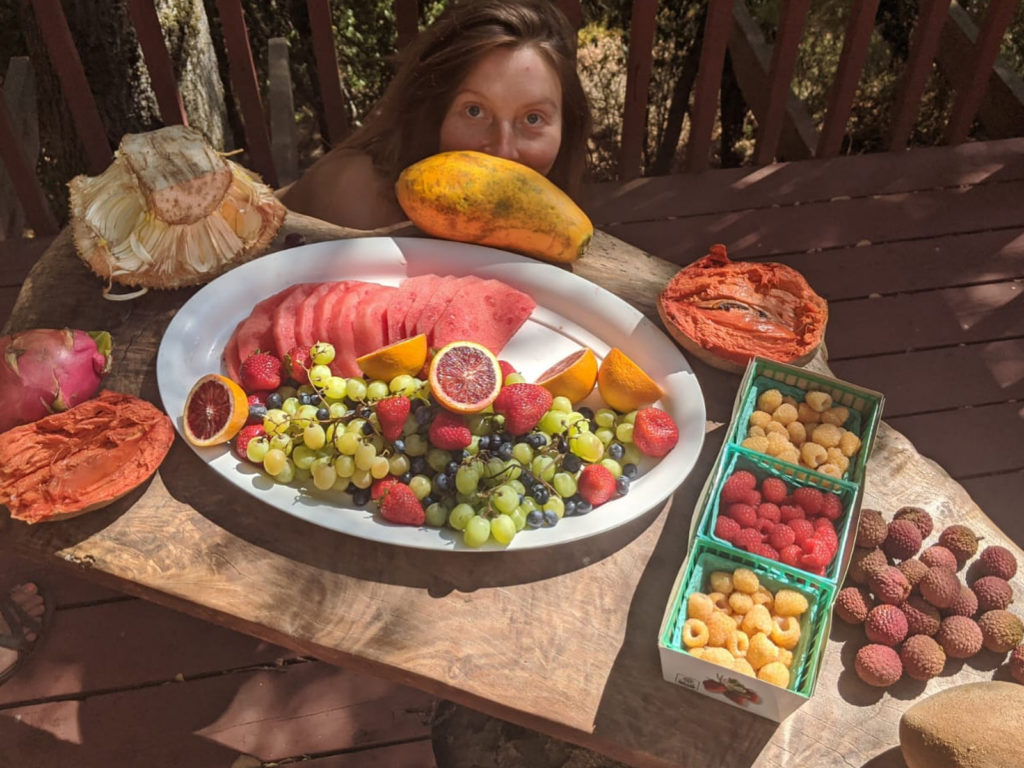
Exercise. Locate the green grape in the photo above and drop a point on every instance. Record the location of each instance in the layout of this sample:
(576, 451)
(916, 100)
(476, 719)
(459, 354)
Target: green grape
(335, 388)
(341, 483)
(517, 485)
(338, 410)
(398, 464)
(355, 389)
(553, 421)
(355, 426)
(322, 353)
(556, 505)
(282, 443)
(629, 418)
(274, 461)
(479, 423)
(256, 449)
(380, 467)
(437, 459)
(587, 446)
(527, 505)
(377, 442)
(543, 467)
(605, 417)
(346, 443)
(512, 469)
(377, 390)
(631, 454)
(290, 406)
(477, 532)
(319, 375)
(324, 476)
(421, 486)
(306, 414)
(299, 475)
(362, 478)
(286, 392)
(303, 457)
(364, 456)
(624, 432)
(561, 403)
(504, 498)
(564, 484)
(613, 466)
(515, 378)
(400, 384)
(344, 466)
(416, 445)
(523, 453)
(460, 516)
(474, 445)
(518, 516)
(577, 422)
(503, 529)
(605, 435)
(436, 515)
(467, 479)
(287, 473)
(314, 437)
(494, 467)
(276, 422)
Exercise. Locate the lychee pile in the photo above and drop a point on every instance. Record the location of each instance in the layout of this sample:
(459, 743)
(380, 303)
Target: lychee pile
(920, 604)
(796, 526)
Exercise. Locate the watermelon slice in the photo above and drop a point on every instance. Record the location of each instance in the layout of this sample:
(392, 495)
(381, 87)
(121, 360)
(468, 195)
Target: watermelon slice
(425, 293)
(305, 315)
(230, 357)
(255, 332)
(408, 292)
(323, 312)
(437, 303)
(369, 328)
(342, 335)
(488, 312)
(284, 317)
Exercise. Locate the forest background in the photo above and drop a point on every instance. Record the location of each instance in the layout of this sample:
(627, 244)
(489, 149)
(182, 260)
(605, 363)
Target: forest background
(366, 38)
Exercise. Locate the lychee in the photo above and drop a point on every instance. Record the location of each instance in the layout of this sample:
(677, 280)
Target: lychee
(914, 570)
(961, 541)
(902, 541)
(1017, 664)
(853, 604)
(889, 585)
(937, 556)
(998, 561)
(864, 563)
(922, 657)
(923, 618)
(918, 517)
(886, 624)
(993, 593)
(939, 587)
(872, 529)
(965, 603)
(959, 636)
(1000, 630)
(878, 665)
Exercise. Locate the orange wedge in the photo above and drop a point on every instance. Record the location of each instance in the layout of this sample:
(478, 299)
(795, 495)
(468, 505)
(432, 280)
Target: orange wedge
(573, 376)
(402, 357)
(216, 409)
(623, 384)
(465, 377)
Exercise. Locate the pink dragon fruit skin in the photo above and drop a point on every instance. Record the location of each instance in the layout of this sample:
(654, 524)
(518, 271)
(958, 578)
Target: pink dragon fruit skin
(45, 370)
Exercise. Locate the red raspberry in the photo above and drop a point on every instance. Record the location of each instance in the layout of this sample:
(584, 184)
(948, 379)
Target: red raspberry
(791, 512)
(746, 538)
(764, 525)
(736, 486)
(774, 489)
(726, 528)
(831, 506)
(753, 499)
(822, 522)
(809, 498)
(781, 536)
(802, 530)
(791, 555)
(769, 511)
(816, 556)
(744, 514)
(764, 550)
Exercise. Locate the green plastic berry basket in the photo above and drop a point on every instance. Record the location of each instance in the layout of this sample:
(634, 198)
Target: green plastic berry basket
(707, 556)
(864, 405)
(734, 458)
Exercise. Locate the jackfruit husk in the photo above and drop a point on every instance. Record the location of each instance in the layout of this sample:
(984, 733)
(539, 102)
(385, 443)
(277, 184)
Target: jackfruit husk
(170, 212)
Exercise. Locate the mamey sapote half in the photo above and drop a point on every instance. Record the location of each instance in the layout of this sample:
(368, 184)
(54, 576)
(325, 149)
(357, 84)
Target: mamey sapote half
(81, 459)
(478, 198)
(727, 312)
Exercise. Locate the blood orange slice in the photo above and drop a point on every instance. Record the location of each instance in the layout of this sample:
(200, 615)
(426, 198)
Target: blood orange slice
(216, 409)
(465, 377)
(573, 376)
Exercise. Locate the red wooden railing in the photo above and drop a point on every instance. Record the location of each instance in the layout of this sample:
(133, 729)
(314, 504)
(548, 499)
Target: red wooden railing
(726, 27)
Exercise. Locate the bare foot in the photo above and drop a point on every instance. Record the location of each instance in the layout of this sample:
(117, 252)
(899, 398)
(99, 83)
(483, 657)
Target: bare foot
(28, 599)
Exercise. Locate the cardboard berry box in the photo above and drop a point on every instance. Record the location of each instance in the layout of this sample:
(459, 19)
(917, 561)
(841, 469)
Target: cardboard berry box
(741, 690)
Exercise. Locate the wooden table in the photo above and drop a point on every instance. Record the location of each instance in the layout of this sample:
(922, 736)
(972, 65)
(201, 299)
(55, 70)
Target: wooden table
(562, 640)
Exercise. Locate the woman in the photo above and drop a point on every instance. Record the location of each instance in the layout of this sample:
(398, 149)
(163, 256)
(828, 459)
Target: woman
(497, 76)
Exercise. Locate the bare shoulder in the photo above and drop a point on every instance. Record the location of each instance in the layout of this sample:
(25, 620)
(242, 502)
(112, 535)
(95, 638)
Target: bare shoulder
(344, 188)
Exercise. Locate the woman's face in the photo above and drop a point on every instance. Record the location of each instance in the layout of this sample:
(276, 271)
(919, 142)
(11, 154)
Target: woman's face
(509, 105)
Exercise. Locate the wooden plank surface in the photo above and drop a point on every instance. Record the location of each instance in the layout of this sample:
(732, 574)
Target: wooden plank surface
(420, 618)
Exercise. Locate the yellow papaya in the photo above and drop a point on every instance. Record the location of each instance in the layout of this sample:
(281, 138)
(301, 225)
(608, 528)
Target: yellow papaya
(478, 198)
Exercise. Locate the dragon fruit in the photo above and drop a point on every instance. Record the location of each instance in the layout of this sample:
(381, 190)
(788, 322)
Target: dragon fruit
(45, 370)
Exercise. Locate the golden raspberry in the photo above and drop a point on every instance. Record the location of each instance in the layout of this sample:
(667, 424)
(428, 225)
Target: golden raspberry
(757, 443)
(789, 602)
(741, 603)
(698, 651)
(695, 633)
(737, 643)
(774, 672)
(797, 432)
(720, 625)
(763, 596)
(786, 657)
(812, 454)
(761, 651)
(721, 581)
(789, 400)
(849, 443)
(718, 656)
(742, 666)
(785, 632)
(720, 601)
(807, 414)
(745, 580)
(699, 606)
(792, 455)
(837, 457)
(836, 415)
(826, 435)
(785, 414)
(760, 419)
(755, 432)
(830, 469)
(819, 401)
(769, 400)
(758, 619)
(777, 443)
(776, 427)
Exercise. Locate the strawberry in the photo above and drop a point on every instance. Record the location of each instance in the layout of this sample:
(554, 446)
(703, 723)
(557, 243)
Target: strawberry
(243, 438)
(737, 486)
(260, 371)
(654, 432)
(257, 406)
(297, 363)
(596, 484)
(506, 369)
(448, 431)
(522, 405)
(380, 487)
(392, 413)
(774, 489)
(398, 504)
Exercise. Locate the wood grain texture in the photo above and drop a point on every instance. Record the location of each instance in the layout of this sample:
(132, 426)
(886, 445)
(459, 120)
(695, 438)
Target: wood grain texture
(477, 630)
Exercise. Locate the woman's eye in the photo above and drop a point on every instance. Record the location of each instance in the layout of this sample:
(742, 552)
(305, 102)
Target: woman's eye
(534, 118)
(474, 111)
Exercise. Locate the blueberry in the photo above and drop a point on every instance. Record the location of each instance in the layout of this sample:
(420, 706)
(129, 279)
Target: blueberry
(426, 501)
(537, 439)
(616, 451)
(443, 482)
(419, 465)
(570, 508)
(451, 468)
(526, 478)
(424, 415)
(505, 451)
(550, 517)
(305, 398)
(360, 496)
(586, 412)
(323, 414)
(405, 478)
(399, 445)
(540, 494)
(257, 412)
(535, 519)
(367, 428)
(274, 400)
(484, 443)
(630, 471)
(571, 463)
(622, 485)
(582, 507)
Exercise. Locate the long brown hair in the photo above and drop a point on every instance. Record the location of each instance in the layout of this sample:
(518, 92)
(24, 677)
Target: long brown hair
(405, 125)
